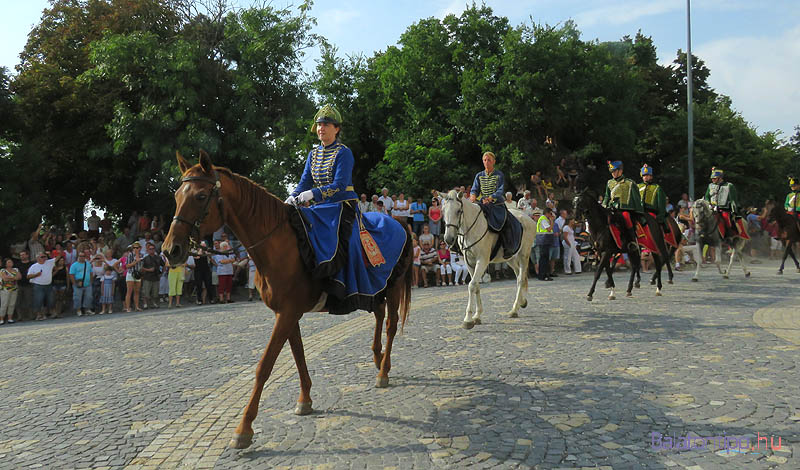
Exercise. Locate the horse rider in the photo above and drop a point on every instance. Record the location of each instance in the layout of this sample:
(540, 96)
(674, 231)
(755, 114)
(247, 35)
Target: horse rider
(338, 237)
(488, 187)
(792, 204)
(653, 198)
(622, 195)
(723, 198)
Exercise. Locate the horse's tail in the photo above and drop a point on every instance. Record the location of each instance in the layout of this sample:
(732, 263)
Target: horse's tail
(406, 261)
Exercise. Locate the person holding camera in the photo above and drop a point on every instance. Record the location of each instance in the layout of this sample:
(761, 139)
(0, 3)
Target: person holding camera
(133, 276)
(202, 275)
(152, 265)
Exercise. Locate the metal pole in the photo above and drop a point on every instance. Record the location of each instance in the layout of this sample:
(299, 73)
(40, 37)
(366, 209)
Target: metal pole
(689, 96)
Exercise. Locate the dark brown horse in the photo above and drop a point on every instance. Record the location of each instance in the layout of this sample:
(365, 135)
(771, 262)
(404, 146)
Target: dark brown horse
(788, 232)
(586, 205)
(210, 197)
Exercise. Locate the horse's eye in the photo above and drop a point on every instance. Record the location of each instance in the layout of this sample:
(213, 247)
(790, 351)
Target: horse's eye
(201, 197)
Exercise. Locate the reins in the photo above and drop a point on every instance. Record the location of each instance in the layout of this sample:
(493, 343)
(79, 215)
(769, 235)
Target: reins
(463, 236)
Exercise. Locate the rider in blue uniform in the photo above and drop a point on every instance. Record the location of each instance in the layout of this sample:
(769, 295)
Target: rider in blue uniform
(332, 231)
(488, 188)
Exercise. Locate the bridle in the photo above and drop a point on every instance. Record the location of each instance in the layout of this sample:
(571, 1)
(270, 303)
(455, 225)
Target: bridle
(194, 235)
(460, 216)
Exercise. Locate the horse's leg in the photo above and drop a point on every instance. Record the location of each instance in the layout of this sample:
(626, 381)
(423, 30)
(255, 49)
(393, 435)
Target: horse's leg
(601, 267)
(610, 278)
(791, 253)
(518, 272)
(475, 289)
(698, 258)
(659, 264)
(636, 265)
(285, 324)
(377, 347)
(786, 250)
(304, 401)
(638, 281)
(668, 262)
(742, 254)
(393, 304)
(718, 257)
(734, 252)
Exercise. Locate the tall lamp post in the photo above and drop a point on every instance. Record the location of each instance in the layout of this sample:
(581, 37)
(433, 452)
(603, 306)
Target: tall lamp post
(689, 96)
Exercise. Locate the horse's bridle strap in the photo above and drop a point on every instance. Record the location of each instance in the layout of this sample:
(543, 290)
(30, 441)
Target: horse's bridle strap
(214, 194)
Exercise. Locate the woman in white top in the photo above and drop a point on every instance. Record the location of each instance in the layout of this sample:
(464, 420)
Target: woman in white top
(401, 210)
(224, 272)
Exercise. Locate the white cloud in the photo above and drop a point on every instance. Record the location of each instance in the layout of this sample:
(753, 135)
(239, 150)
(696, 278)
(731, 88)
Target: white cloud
(626, 12)
(760, 74)
(455, 7)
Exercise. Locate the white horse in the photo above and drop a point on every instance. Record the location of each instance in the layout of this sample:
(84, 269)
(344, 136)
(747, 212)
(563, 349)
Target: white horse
(465, 222)
(707, 231)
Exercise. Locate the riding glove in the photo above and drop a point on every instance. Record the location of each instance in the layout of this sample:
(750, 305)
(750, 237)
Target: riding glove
(305, 196)
(290, 200)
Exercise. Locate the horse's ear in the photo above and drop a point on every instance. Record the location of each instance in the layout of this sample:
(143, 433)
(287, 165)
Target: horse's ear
(205, 162)
(183, 165)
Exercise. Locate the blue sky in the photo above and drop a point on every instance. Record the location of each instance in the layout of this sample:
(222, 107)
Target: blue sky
(751, 46)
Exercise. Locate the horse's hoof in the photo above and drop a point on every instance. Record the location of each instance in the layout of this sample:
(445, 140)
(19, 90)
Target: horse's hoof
(612, 297)
(513, 315)
(478, 321)
(241, 441)
(637, 285)
(652, 282)
(725, 276)
(694, 279)
(629, 294)
(669, 282)
(658, 293)
(747, 274)
(524, 303)
(467, 325)
(303, 409)
(589, 298)
(780, 272)
(381, 382)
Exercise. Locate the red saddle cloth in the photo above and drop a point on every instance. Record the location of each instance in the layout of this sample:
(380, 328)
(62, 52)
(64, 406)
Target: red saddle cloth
(643, 235)
(669, 237)
(724, 224)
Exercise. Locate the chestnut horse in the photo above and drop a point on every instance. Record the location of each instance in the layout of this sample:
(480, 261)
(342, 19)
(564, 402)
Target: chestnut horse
(211, 196)
(788, 232)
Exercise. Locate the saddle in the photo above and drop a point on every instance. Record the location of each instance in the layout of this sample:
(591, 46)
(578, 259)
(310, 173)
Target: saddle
(725, 226)
(643, 235)
(669, 236)
(509, 228)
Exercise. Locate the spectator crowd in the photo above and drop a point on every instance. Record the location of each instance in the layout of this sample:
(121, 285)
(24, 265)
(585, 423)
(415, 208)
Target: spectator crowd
(94, 271)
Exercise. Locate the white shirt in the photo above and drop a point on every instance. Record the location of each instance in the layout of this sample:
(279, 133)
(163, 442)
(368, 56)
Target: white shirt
(46, 269)
(401, 209)
(569, 236)
(387, 202)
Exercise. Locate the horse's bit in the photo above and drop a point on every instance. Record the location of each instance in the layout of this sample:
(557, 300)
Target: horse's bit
(463, 235)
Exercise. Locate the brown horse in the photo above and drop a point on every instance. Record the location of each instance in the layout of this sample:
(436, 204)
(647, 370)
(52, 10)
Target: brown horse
(210, 197)
(788, 232)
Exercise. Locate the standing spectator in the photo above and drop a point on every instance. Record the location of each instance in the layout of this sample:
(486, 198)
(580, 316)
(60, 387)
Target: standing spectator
(60, 284)
(106, 225)
(536, 181)
(435, 195)
(459, 267)
(509, 202)
(80, 275)
(400, 210)
(35, 246)
(9, 276)
(41, 276)
(429, 262)
(151, 276)
(122, 241)
(133, 277)
(93, 224)
(373, 205)
(572, 260)
(387, 201)
(144, 222)
(251, 278)
(544, 236)
(434, 220)
(133, 224)
(555, 247)
(524, 204)
(24, 287)
(70, 253)
(175, 280)
(561, 174)
(418, 211)
(363, 204)
(98, 270)
(144, 241)
(202, 275)
(107, 286)
(445, 269)
(416, 262)
(426, 236)
(224, 265)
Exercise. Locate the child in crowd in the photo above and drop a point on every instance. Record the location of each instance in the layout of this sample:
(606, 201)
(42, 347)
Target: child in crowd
(107, 285)
(416, 266)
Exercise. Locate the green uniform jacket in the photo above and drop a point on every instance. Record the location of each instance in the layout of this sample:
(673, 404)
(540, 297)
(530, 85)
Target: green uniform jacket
(622, 193)
(722, 195)
(654, 200)
(792, 202)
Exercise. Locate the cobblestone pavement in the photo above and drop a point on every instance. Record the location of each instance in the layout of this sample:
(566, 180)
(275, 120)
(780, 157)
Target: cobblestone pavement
(569, 384)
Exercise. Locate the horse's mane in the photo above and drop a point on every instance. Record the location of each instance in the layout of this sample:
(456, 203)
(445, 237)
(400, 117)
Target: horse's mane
(254, 199)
